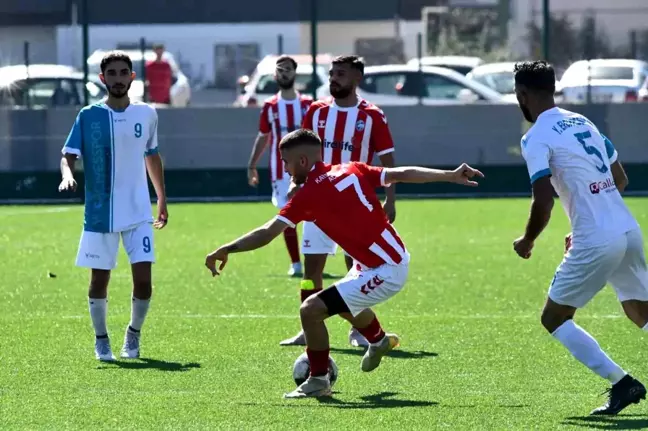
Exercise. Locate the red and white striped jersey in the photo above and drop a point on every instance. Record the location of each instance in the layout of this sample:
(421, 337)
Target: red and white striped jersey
(341, 200)
(278, 118)
(352, 134)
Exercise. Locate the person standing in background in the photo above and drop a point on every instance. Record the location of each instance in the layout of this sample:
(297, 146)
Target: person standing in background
(159, 76)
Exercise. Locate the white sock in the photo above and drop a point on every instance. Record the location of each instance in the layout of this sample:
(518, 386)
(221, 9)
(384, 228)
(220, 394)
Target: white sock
(139, 308)
(98, 309)
(645, 328)
(585, 348)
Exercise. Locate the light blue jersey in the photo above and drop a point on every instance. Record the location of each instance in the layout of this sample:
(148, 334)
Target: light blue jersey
(570, 148)
(113, 145)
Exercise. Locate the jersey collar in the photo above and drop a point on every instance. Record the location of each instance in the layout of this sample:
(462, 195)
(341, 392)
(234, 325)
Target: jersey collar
(548, 112)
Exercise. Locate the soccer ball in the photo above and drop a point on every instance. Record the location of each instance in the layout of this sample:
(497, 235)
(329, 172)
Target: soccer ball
(301, 370)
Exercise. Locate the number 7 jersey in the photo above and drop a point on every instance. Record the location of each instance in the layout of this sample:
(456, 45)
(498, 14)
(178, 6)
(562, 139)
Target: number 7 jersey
(341, 200)
(569, 147)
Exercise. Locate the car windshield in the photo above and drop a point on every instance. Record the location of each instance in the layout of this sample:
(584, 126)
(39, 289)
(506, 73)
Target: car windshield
(268, 85)
(502, 82)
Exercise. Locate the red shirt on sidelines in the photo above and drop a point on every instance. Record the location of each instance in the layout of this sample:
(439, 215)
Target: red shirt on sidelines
(352, 134)
(160, 77)
(281, 116)
(341, 200)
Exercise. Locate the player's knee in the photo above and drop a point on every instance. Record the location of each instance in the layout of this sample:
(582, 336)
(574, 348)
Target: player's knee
(142, 289)
(551, 320)
(312, 309)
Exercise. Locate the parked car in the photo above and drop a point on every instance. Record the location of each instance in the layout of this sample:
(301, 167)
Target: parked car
(643, 91)
(261, 84)
(610, 80)
(401, 85)
(180, 88)
(458, 63)
(46, 85)
(500, 77)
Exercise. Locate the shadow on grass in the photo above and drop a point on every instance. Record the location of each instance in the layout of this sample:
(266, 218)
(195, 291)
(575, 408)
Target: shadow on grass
(381, 400)
(400, 354)
(148, 364)
(621, 422)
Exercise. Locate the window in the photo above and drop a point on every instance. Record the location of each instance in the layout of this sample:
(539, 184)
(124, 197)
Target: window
(440, 87)
(268, 85)
(386, 83)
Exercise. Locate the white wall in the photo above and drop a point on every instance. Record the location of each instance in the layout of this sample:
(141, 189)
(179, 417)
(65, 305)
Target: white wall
(189, 43)
(42, 45)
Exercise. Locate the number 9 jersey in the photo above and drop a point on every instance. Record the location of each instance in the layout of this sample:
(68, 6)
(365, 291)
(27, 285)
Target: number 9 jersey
(569, 148)
(341, 201)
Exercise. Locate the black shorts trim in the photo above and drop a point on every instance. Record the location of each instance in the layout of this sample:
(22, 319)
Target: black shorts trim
(333, 301)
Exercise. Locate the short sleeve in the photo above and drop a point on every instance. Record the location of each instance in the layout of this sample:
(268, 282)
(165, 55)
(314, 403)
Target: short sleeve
(264, 121)
(297, 209)
(152, 143)
(375, 175)
(381, 138)
(536, 154)
(74, 141)
(307, 122)
(612, 153)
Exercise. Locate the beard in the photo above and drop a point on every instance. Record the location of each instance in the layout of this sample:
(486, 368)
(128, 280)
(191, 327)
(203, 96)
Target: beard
(299, 179)
(119, 92)
(340, 92)
(526, 113)
(286, 84)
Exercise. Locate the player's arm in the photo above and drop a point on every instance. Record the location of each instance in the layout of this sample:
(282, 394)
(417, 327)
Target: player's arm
(420, 175)
(257, 238)
(383, 144)
(541, 206)
(260, 143)
(155, 169)
(71, 152)
(618, 173)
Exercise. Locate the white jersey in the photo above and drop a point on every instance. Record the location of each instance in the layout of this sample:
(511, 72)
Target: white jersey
(571, 149)
(113, 145)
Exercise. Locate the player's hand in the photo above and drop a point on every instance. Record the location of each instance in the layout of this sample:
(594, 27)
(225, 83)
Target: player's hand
(253, 176)
(568, 242)
(390, 209)
(163, 215)
(68, 184)
(217, 255)
(292, 190)
(523, 247)
(463, 175)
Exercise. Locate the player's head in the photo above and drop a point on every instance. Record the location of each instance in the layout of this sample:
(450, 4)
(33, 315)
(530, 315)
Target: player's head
(117, 73)
(535, 85)
(300, 150)
(285, 72)
(345, 75)
(158, 49)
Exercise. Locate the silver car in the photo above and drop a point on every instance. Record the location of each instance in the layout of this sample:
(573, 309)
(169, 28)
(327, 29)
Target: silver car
(609, 81)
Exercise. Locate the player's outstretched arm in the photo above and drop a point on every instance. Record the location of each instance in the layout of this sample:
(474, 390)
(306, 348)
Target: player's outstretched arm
(257, 238)
(464, 175)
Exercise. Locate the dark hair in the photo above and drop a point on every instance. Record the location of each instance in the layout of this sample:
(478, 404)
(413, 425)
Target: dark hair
(300, 137)
(158, 46)
(353, 61)
(287, 58)
(536, 76)
(113, 56)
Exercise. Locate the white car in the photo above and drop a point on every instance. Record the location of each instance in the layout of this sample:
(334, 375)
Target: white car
(610, 81)
(261, 85)
(180, 89)
(458, 63)
(400, 85)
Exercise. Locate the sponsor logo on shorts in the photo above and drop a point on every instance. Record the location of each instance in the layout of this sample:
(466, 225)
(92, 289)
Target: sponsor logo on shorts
(306, 243)
(92, 256)
(600, 186)
(371, 285)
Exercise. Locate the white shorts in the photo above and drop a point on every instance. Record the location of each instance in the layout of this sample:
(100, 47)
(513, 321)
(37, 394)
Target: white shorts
(584, 272)
(367, 287)
(99, 250)
(314, 241)
(280, 192)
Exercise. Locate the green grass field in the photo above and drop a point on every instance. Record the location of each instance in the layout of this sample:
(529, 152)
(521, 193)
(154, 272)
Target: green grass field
(473, 355)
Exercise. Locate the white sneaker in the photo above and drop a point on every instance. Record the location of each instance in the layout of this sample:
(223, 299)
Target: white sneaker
(295, 270)
(131, 348)
(356, 339)
(297, 340)
(312, 387)
(375, 352)
(103, 351)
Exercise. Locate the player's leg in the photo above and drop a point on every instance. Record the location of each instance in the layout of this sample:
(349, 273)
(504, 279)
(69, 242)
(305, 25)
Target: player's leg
(581, 275)
(138, 243)
(630, 281)
(98, 252)
(279, 200)
(316, 246)
(356, 339)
